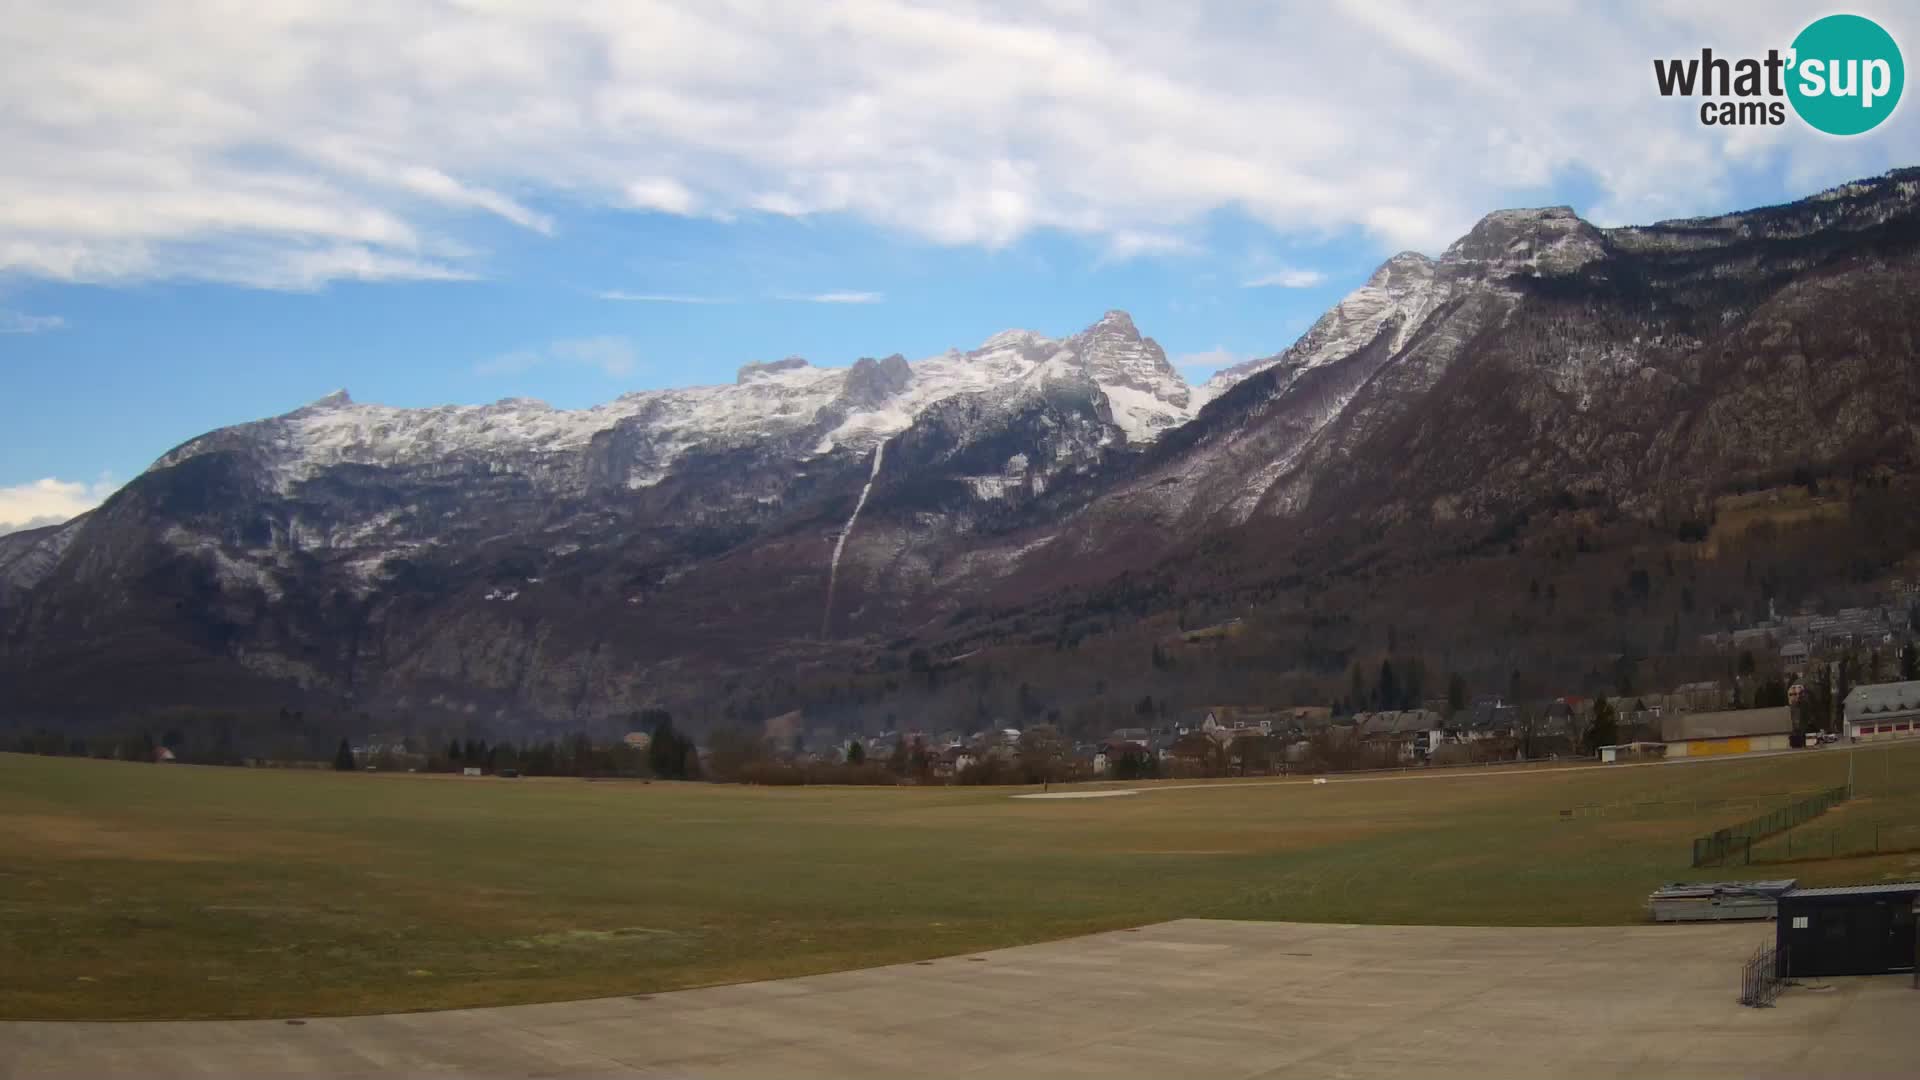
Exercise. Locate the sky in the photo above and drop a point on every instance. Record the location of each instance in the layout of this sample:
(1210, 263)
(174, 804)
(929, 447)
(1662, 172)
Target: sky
(212, 212)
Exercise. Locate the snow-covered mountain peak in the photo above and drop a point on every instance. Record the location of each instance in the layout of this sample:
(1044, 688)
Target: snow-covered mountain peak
(834, 409)
(1146, 393)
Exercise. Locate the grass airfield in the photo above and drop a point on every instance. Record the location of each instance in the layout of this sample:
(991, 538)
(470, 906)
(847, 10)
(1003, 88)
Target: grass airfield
(130, 891)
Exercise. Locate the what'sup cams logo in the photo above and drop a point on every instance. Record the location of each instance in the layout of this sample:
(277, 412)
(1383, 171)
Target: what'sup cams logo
(1842, 75)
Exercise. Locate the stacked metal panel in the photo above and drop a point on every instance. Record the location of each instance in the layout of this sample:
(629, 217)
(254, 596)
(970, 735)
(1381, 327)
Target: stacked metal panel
(1711, 901)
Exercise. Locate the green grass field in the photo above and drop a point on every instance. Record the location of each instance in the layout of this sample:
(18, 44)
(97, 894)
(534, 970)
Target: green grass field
(132, 890)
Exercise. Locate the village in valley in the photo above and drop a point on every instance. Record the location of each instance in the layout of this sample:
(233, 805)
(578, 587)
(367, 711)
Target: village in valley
(1798, 681)
(1794, 681)
(1240, 740)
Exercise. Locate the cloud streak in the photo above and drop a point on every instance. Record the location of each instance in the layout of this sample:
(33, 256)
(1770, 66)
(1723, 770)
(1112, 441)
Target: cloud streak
(838, 297)
(659, 298)
(290, 145)
(1286, 279)
(14, 322)
(612, 356)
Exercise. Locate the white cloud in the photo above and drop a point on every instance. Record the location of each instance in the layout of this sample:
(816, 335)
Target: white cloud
(1421, 39)
(777, 203)
(294, 143)
(662, 193)
(612, 355)
(14, 322)
(1286, 279)
(303, 270)
(659, 298)
(433, 184)
(49, 502)
(1127, 244)
(842, 297)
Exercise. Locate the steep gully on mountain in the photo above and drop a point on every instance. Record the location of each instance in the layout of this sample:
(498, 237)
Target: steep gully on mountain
(833, 566)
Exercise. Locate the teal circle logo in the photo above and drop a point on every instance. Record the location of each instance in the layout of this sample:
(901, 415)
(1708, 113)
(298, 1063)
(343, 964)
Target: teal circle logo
(1846, 76)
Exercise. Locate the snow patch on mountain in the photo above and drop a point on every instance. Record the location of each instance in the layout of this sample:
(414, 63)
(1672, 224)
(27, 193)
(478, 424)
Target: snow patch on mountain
(993, 487)
(232, 572)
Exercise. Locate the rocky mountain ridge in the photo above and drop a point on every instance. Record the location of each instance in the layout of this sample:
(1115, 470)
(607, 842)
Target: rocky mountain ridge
(516, 563)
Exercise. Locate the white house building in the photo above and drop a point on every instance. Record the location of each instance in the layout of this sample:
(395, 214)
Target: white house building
(1882, 711)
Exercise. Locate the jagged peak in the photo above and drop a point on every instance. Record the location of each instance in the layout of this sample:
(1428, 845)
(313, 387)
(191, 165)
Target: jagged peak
(872, 381)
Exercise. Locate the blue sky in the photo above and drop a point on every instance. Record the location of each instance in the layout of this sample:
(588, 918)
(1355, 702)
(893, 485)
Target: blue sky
(214, 215)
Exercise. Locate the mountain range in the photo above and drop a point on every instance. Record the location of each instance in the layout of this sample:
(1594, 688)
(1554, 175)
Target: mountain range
(792, 538)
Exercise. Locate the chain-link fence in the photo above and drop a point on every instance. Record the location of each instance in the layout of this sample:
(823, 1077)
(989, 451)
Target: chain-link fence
(1735, 843)
(1844, 842)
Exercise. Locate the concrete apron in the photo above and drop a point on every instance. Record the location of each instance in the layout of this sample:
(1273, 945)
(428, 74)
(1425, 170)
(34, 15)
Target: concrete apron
(1186, 998)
